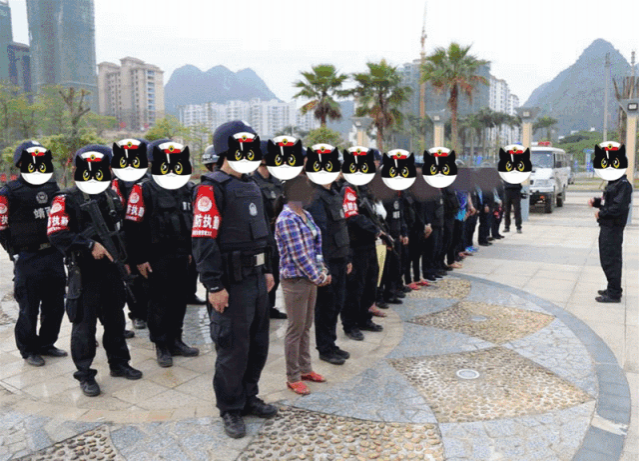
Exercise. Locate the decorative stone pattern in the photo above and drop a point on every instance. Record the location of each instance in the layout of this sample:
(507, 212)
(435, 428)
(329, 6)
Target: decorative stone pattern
(508, 386)
(304, 435)
(548, 437)
(449, 288)
(92, 445)
(497, 324)
(196, 326)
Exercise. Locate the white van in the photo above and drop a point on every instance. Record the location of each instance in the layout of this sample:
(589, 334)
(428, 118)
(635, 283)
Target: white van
(549, 178)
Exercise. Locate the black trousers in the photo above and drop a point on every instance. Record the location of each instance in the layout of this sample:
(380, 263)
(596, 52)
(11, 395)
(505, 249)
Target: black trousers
(496, 222)
(361, 288)
(329, 304)
(469, 230)
(432, 244)
(447, 241)
(192, 281)
(39, 289)
(240, 335)
(456, 239)
(102, 298)
(512, 200)
(275, 263)
(411, 257)
(138, 308)
(484, 226)
(169, 289)
(610, 255)
(392, 275)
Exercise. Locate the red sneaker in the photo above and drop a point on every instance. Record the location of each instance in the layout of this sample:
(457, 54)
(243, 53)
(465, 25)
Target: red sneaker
(314, 377)
(414, 286)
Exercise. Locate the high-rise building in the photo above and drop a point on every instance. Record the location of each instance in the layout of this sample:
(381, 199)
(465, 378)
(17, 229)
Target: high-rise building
(15, 58)
(6, 37)
(62, 38)
(132, 92)
(266, 117)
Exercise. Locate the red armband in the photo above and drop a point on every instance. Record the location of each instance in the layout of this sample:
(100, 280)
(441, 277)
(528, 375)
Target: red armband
(350, 202)
(135, 208)
(115, 185)
(58, 216)
(206, 217)
(4, 212)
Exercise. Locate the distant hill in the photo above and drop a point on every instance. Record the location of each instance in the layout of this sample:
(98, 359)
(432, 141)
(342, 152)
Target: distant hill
(190, 85)
(575, 96)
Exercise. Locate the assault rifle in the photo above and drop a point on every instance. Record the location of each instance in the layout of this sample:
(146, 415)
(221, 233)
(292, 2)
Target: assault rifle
(108, 238)
(366, 205)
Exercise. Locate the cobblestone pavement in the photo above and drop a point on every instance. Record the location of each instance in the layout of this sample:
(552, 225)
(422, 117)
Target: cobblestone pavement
(467, 369)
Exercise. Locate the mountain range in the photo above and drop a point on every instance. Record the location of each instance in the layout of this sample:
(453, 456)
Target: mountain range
(575, 97)
(190, 85)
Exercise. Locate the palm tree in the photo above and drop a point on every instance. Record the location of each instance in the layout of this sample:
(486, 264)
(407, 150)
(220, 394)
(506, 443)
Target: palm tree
(320, 86)
(453, 70)
(476, 128)
(486, 118)
(379, 95)
(545, 122)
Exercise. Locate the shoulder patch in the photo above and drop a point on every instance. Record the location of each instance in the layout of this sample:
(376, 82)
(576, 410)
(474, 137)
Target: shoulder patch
(135, 208)
(58, 216)
(206, 217)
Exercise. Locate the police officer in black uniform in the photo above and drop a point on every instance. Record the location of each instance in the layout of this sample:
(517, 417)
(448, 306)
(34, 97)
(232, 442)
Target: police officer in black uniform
(96, 288)
(139, 301)
(612, 216)
(364, 229)
(38, 268)
(392, 285)
(158, 227)
(328, 213)
(433, 243)
(230, 242)
(272, 190)
(512, 200)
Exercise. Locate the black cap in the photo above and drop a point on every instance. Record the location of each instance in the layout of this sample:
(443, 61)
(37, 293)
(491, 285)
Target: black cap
(209, 156)
(225, 131)
(17, 154)
(94, 148)
(151, 146)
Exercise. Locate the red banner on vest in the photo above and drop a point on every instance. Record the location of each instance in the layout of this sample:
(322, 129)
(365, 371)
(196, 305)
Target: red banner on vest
(350, 202)
(206, 217)
(58, 217)
(4, 212)
(135, 208)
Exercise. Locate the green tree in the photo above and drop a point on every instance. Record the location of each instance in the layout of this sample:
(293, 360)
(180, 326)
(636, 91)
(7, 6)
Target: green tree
(54, 117)
(453, 70)
(167, 127)
(474, 129)
(320, 86)
(100, 123)
(545, 122)
(324, 135)
(380, 94)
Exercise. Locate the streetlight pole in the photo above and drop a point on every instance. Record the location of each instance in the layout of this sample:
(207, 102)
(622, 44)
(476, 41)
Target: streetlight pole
(607, 72)
(527, 115)
(631, 108)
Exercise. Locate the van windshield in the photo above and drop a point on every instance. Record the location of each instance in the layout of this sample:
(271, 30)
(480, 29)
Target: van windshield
(541, 159)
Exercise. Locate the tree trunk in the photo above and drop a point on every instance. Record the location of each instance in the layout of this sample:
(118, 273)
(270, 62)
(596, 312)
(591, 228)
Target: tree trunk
(380, 139)
(472, 148)
(453, 116)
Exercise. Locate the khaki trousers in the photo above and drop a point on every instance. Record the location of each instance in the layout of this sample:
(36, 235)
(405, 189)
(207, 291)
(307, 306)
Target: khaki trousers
(299, 298)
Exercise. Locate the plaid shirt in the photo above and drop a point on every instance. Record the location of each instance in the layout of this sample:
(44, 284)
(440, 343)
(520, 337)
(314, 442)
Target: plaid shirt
(300, 252)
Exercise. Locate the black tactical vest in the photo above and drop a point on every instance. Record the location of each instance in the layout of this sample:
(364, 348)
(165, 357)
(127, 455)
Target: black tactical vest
(271, 189)
(172, 213)
(28, 212)
(336, 241)
(112, 210)
(394, 215)
(243, 227)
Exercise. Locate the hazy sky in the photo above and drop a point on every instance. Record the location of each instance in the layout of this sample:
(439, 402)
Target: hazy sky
(528, 43)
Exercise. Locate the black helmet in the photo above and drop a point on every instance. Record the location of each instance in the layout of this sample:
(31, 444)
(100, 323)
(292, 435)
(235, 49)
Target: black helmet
(17, 154)
(209, 156)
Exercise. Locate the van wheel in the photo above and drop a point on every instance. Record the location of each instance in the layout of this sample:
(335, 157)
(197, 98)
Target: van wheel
(561, 197)
(548, 206)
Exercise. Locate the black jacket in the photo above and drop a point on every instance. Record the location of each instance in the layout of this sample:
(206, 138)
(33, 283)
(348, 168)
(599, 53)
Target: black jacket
(614, 206)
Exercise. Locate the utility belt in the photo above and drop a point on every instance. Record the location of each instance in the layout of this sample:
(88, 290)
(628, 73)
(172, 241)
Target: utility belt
(236, 262)
(34, 248)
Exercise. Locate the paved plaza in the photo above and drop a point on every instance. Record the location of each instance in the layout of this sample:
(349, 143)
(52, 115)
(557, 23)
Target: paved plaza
(509, 358)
